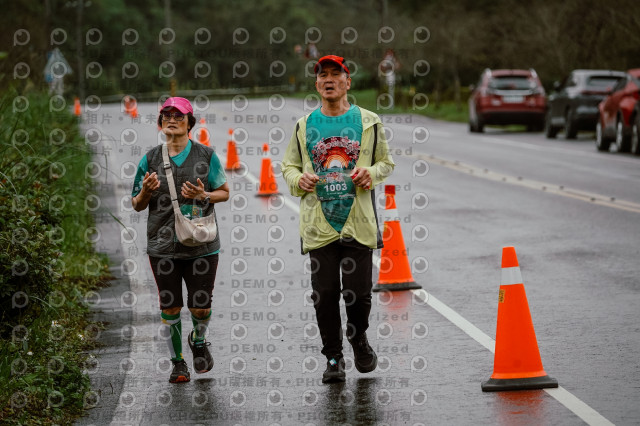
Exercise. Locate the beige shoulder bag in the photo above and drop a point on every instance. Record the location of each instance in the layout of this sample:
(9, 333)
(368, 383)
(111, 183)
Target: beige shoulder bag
(190, 232)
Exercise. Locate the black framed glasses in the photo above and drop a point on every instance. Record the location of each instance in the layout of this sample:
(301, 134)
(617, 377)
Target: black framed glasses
(166, 116)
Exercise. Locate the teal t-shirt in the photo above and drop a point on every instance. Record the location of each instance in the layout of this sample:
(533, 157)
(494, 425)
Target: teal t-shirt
(216, 177)
(333, 144)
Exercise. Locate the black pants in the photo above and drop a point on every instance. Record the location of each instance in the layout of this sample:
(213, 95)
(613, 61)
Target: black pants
(355, 263)
(199, 275)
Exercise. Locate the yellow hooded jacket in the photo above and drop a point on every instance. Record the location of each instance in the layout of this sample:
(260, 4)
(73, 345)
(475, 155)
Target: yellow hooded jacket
(362, 223)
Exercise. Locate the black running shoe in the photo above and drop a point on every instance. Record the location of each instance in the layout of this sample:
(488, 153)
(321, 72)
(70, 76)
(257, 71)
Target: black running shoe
(335, 371)
(180, 372)
(365, 359)
(202, 360)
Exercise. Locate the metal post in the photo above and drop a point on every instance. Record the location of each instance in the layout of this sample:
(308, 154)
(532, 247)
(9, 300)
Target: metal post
(167, 24)
(79, 49)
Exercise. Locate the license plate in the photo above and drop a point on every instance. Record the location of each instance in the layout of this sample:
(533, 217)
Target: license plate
(512, 99)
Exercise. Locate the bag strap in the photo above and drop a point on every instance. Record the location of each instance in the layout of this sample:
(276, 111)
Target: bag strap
(169, 173)
(375, 143)
(379, 243)
(302, 162)
(298, 140)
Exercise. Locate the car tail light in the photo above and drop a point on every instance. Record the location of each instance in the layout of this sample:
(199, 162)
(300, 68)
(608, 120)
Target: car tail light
(485, 100)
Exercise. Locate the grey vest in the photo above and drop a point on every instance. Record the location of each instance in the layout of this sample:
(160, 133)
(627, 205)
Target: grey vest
(161, 239)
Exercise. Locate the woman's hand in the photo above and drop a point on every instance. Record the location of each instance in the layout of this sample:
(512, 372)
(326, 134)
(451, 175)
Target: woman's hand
(190, 190)
(150, 183)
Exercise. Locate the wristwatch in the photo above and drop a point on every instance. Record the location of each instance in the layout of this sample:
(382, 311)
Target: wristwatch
(207, 198)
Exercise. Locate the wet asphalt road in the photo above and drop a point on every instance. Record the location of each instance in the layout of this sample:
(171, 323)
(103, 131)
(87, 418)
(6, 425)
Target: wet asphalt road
(579, 260)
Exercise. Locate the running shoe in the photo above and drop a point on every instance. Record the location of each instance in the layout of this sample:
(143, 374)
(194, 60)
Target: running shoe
(365, 359)
(335, 370)
(180, 372)
(202, 359)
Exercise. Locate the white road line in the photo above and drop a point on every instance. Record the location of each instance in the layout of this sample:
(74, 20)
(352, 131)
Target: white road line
(534, 147)
(474, 332)
(563, 396)
(582, 410)
(549, 188)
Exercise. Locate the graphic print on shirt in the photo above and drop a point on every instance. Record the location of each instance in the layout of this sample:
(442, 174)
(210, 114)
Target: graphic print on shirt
(333, 159)
(333, 144)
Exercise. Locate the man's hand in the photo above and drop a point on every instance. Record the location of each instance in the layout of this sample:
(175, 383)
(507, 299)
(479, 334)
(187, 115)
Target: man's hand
(308, 182)
(190, 190)
(361, 178)
(150, 183)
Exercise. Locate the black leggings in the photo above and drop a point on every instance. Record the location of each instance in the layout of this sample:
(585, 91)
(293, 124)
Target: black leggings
(356, 264)
(199, 275)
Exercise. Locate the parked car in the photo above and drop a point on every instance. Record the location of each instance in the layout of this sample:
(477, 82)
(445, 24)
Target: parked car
(617, 115)
(574, 105)
(635, 131)
(507, 97)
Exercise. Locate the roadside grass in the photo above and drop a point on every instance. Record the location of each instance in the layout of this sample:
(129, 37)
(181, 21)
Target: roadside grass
(449, 111)
(403, 104)
(48, 266)
(445, 110)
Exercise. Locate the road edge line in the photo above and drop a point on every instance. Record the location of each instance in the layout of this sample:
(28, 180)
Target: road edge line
(563, 396)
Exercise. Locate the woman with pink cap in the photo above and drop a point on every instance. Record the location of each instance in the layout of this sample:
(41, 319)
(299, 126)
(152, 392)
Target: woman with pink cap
(200, 182)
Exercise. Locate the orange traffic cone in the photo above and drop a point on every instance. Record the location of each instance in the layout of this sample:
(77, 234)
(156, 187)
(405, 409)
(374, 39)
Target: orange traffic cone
(517, 364)
(77, 109)
(395, 273)
(203, 135)
(127, 104)
(233, 161)
(268, 185)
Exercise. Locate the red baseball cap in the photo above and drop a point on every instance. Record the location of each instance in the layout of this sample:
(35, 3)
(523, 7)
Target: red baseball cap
(181, 104)
(338, 60)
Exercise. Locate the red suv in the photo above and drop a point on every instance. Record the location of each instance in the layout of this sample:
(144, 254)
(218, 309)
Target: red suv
(617, 115)
(507, 97)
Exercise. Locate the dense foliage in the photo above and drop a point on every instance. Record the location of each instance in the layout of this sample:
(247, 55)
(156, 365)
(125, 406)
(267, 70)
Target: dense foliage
(217, 42)
(44, 259)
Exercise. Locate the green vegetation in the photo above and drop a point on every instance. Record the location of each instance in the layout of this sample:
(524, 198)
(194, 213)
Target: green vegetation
(442, 46)
(47, 264)
(368, 99)
(449, 111)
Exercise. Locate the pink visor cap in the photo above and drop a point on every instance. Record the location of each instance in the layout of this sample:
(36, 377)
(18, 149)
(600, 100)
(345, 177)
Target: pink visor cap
(181, 104)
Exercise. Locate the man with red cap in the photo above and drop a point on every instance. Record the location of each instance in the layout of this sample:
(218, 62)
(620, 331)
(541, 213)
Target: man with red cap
(200, 182)
(335, 158)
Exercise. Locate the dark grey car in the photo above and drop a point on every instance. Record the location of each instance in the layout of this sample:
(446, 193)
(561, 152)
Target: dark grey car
(574, 104)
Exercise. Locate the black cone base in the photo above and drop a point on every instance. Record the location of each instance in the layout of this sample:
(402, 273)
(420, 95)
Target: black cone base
(495, 385)
(411, 285)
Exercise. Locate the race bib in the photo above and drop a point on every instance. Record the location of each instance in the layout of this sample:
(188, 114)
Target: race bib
(335, 186)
